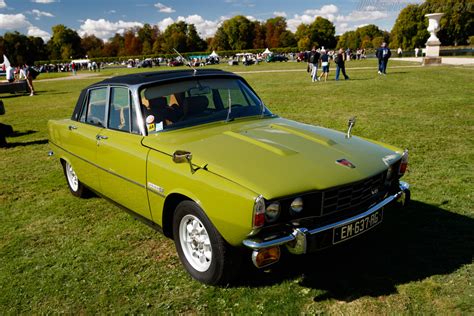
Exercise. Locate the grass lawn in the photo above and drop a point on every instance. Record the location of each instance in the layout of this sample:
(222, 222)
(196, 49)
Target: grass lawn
(60, 254)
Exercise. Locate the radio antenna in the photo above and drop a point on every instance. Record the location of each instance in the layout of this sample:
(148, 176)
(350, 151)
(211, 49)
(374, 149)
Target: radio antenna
(189, 63)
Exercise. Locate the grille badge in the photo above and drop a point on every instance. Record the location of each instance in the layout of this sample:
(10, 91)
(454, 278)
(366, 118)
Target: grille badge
(346, 163)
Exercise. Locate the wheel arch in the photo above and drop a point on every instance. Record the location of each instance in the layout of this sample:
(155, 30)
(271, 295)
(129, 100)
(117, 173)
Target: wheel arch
(171, 202)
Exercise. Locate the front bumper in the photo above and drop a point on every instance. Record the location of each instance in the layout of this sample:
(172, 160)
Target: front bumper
(297, 240)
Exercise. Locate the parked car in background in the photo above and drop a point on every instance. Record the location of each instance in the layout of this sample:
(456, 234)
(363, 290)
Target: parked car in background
(175, 63)
(198, 156)
(147, 63)
(276, 57)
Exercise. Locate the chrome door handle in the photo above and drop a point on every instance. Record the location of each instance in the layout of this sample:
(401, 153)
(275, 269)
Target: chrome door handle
(71, 127)
(99, 137)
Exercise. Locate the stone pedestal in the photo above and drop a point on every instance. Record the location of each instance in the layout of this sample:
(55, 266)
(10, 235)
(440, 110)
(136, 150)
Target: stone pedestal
(433, 43)
(431, 61)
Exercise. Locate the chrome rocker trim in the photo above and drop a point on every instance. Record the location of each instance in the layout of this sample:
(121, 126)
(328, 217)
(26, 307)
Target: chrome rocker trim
(299, 234)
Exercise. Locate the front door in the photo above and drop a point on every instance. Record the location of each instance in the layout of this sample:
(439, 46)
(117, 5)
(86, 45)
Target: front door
(121, 156)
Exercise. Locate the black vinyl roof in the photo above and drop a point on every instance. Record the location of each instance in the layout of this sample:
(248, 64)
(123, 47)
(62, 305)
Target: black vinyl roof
(156, 76)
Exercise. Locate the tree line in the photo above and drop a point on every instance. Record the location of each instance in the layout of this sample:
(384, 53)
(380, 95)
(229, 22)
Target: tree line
(240, 33)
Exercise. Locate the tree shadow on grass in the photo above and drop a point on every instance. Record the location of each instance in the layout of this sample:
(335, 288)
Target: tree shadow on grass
(14, 95)
(18, 134)
(412, 244)
(35, 142)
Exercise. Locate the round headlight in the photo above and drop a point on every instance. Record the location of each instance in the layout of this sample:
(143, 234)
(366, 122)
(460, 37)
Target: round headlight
(272, 212)
(297, 205)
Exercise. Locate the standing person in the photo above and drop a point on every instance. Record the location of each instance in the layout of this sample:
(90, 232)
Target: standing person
(340, 66)
(383, 54)
(399, 52)
(313, 61)
(30, 74)
(10, 74)
(324, 65)
(417, 50)
(73, 67)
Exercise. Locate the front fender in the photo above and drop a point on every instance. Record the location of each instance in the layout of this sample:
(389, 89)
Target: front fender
(228, 205)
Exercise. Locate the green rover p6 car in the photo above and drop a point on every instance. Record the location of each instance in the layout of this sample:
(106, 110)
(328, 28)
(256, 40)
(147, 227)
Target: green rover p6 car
(198, 156)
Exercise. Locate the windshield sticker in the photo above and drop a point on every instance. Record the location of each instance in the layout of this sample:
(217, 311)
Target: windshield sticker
(159, 126)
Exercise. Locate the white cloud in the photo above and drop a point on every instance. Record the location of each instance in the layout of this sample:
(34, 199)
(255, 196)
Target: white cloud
(43, 1)
(38, 14)
(279, 13)
(2, 4)
(35, 31)
(205, 28)
(105, 29)
(356, 16)
(343, 23)
(326, 10)
(162, 8)
(16, 22)
(163, 24)
(13, 21)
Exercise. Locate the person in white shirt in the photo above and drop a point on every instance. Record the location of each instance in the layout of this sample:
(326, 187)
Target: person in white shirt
(10, 74)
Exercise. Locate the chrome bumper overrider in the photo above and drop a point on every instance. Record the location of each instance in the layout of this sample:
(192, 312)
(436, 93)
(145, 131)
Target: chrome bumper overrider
(296, 241)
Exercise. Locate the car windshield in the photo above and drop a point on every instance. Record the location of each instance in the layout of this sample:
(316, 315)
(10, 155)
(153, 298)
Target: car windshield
(198, 101)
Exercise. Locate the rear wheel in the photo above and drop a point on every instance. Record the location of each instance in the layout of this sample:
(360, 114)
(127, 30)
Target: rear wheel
(204, 253)
(75, 186)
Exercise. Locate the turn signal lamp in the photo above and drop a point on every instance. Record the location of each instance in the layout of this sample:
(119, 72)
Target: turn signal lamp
(403, 163)
(265, 257)
(259, 212)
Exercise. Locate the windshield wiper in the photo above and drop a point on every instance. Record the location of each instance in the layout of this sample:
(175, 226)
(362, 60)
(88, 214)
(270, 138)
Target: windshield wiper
(228, 119)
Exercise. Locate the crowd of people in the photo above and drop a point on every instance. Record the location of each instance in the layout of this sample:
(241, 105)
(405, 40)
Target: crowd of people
(320, 58)
(24, 72)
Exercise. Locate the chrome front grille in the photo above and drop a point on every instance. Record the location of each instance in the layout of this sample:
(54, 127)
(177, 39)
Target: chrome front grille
(353, 196)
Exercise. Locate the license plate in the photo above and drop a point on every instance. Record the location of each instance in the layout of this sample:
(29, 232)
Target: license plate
(355, 228)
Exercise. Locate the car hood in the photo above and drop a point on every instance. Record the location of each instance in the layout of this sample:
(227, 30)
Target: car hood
(277, 157)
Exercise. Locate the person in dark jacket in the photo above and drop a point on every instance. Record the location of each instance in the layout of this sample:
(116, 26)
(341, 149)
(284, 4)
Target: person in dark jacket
(313, 61)
(324, 65)
(340, 65)
(383, 54)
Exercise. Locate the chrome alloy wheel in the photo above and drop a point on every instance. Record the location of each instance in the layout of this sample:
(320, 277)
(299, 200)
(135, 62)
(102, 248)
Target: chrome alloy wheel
(195, 243)
(72, 177)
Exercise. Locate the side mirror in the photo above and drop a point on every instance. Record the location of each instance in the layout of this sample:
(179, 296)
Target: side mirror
(181, 156)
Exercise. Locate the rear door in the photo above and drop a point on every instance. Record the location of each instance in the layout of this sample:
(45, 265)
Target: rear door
(82, 141)
(121, 156)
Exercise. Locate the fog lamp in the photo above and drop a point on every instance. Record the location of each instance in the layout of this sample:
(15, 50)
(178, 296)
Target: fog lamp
(297, 205)
(272, 212)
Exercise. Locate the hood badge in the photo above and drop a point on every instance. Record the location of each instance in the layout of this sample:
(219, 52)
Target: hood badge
(346, 163)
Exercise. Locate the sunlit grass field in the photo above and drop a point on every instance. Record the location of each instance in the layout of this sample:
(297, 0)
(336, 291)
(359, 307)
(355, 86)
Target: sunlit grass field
(60, 254)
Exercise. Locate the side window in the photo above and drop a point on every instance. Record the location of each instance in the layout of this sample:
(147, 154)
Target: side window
(95, 112)
(119, 109)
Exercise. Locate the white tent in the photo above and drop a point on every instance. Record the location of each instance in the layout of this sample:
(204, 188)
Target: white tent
(267, 52)
(213, 54)
(6, 62)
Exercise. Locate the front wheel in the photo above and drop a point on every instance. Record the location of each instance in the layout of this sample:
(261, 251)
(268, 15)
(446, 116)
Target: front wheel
(204, 253)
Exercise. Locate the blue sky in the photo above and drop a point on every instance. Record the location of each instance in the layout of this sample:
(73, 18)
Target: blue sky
(104, 18)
